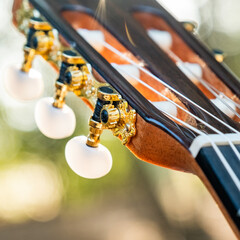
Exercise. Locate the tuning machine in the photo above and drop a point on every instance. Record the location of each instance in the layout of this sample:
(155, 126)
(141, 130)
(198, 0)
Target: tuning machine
(53, 117)
(86, 156)
(111, 112)
(25, 83)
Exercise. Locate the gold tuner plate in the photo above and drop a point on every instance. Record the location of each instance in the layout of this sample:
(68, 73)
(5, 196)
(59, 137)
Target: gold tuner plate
(71, 57)
(111, 112)
(39, 25)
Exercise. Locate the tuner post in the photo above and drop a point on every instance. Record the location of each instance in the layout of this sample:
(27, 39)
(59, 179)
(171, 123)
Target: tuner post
(95, 131)
(111, 112)
(60, 95)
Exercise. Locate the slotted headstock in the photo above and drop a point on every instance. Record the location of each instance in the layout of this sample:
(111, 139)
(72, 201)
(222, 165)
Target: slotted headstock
(151, 133)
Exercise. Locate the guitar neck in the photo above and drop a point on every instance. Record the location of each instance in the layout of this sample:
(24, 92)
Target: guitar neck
(223, 177)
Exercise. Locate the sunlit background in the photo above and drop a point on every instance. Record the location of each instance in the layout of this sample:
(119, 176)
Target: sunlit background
(41, 198)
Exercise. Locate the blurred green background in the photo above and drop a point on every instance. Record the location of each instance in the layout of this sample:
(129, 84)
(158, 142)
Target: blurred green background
(41, 198)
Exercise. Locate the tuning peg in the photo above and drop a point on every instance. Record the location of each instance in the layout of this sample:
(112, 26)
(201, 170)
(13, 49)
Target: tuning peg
(23, 85)
(86, 161)
(53, 122)
(53, 117)
(86, 156)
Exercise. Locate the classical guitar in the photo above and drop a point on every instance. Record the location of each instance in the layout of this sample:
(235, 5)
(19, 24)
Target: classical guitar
(146, 77)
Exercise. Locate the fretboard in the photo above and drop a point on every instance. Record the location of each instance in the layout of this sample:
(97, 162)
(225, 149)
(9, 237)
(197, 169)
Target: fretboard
(224, 182)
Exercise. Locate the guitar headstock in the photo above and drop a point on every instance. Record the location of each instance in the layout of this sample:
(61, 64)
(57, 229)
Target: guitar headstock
(150, 61)
(146, 77)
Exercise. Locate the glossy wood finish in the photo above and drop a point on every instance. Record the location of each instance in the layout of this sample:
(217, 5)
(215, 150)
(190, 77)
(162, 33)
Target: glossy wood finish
(181, 50)
(115, 19)
(155, 59)
(221, 70)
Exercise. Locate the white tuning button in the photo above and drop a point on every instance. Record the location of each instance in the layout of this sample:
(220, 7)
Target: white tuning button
(192, 70)
(56, 123)
(94, 37)
(23, 86)
(87, 162)
(162, 38)
(165, 106)
(128, 71)
(225, 105)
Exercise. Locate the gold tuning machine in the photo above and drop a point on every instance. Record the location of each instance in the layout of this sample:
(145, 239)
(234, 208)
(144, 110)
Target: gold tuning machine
(190, 26)
(74, 77)
(111, 112)
(40, 41)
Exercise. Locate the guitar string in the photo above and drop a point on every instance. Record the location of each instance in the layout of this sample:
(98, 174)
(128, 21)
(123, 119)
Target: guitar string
(203, 82)
(224, 96)
(141, 68)
(191, 114)
(114, 50)
(215, 92)
(236, 152)
(177, 59)
(222, 158)
(215, 147)
(221, 94)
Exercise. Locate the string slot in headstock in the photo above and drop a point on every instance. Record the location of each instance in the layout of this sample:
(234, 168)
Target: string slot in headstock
(145, 56)
(191, 64)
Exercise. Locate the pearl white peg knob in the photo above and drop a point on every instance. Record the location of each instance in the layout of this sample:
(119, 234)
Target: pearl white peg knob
(225, 105)
(22, 85)
(88, 162)
(56, 123)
